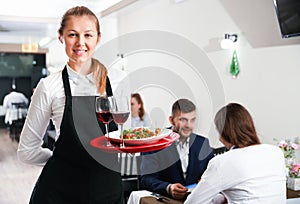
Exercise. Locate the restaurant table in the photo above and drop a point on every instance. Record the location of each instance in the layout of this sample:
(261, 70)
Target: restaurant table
(13, 114)
(292, 194)
(153, 200)
(15, 118)
(2, 110)
(144, 197)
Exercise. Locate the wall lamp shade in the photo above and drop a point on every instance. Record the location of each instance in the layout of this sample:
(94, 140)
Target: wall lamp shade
(229, 41)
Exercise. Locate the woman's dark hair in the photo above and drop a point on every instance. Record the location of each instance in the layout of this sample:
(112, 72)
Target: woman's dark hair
(235, 125)
(139, 100)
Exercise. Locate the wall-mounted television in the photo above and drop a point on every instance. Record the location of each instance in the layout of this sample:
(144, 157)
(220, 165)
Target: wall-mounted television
(20, 64)
(288, 15)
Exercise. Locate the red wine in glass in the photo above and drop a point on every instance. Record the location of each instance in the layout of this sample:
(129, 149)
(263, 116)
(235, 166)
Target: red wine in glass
(105, 116)
(103, 105)
(120, 117)
(120, 112)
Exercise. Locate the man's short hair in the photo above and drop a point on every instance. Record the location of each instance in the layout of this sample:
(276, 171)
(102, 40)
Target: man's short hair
(183, 106)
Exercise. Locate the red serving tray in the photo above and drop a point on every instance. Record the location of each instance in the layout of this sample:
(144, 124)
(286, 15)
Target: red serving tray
(100, 143)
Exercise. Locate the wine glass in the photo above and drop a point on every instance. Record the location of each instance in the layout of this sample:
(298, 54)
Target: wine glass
(103, 106)
(120, 113)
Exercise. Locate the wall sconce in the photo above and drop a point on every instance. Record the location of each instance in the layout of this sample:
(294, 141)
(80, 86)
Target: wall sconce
(45, 41)
(229, 41)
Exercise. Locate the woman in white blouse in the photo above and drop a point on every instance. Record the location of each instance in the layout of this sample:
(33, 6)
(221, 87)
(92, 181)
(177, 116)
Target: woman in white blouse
(74, 172)
(139, 117)
(250, 172)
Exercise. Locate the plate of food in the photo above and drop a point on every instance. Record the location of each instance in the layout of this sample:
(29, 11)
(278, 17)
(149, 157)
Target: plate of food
(140, 136)
(100, 143)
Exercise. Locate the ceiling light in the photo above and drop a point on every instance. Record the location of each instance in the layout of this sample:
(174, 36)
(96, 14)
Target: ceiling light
(229, 41)
(45, 41)
(30, 47)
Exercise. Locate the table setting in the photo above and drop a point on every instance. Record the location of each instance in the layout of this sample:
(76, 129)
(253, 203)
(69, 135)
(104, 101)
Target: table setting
(132, 140)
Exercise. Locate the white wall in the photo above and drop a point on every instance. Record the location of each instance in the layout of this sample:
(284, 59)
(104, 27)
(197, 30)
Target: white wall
(267, 85)
(268, 82)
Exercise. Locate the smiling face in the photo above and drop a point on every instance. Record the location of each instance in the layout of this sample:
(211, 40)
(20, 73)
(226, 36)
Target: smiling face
(183, 123)
(80, 37)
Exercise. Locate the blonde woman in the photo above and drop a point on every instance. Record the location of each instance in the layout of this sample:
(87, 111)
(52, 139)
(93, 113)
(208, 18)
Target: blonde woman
(72, 173)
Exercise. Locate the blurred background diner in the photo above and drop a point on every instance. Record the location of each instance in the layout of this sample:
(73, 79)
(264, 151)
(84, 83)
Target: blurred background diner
(212, 52)
(139, 116)
(15, 104)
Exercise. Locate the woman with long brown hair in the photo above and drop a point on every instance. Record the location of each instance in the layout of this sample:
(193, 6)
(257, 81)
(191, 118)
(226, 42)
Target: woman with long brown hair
(139, 117)
(250, 172)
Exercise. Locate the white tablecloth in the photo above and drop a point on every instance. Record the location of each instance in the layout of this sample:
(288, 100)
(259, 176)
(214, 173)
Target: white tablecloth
(14, 114)
(2, 111)
(135, 196)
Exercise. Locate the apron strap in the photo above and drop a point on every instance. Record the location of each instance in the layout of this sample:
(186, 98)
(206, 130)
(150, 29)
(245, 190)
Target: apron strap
(67, 88)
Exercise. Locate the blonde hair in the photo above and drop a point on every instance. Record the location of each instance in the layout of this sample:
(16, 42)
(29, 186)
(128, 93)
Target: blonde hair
(100, 75)
(77, 11)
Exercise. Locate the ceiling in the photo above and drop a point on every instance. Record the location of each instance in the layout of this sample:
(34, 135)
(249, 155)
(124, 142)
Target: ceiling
(33, 20)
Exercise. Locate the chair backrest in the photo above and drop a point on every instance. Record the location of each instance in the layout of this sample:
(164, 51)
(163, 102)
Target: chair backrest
(219, 150)
(129, 172)
(129, 164)
(18, 105)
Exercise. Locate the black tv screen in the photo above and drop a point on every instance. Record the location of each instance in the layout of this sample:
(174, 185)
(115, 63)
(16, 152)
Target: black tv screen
(288, 14)
(20, 64)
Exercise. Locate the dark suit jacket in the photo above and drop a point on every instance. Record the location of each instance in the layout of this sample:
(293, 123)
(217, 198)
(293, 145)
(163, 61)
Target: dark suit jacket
(160, 168)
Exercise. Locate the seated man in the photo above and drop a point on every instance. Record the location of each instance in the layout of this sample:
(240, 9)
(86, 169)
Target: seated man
(168, 171)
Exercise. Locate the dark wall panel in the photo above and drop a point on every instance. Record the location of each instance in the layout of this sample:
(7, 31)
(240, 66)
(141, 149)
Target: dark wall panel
(5, 84)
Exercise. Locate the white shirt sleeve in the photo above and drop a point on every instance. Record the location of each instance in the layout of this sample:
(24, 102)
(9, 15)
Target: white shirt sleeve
(5, 102)
(25, 99)
(208, 187)
(147, 121)
(30, 146)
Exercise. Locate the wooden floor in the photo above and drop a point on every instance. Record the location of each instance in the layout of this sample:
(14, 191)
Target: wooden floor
(16, 179)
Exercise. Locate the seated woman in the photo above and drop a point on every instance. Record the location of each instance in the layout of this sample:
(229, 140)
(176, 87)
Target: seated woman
(139, 117)
(250, 172)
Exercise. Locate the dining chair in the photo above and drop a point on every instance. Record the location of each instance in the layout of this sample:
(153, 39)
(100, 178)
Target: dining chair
(130, 173)
(19, 111)
(219, 150)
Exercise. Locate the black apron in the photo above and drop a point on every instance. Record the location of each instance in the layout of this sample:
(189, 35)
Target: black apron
(72, 175)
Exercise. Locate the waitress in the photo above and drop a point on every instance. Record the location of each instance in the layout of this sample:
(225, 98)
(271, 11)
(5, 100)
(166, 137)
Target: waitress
(74, 172)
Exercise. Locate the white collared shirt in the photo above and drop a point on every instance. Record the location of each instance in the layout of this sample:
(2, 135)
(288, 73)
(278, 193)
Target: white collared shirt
(183, 151)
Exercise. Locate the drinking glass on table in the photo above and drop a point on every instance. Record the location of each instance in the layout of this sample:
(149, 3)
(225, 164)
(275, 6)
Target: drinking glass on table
(103, 106)
(120, 113)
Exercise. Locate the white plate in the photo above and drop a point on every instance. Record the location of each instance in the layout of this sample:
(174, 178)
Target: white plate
(115, 137)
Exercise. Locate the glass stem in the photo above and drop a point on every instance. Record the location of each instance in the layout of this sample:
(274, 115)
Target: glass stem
(122, 140)
(108, 139)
